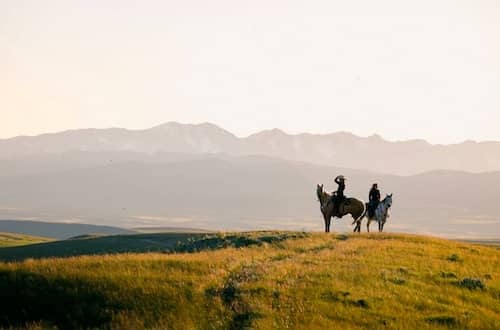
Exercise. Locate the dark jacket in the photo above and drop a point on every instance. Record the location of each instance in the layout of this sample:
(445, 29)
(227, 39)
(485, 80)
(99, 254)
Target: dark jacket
(341, 188)
(374, 195)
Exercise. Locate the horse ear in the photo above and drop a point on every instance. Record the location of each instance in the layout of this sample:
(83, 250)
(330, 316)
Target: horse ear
(390, 195)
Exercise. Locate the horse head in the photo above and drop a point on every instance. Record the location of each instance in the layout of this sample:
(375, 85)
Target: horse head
(319, 191)
(388, 200)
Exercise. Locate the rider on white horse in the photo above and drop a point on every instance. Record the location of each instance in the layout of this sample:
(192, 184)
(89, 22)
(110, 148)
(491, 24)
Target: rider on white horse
(374, 200)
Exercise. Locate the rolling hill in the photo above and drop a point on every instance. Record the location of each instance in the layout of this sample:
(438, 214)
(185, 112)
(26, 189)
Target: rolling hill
(57, 230)
(11, 239)
(97, 245)
(262, 280)
(246, 193)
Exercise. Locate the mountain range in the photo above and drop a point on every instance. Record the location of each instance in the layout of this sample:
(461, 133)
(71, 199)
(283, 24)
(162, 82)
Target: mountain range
(200, 176)
(337, 149)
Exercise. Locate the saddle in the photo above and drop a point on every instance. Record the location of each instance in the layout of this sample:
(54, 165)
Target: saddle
(343, 203)
(341, 207)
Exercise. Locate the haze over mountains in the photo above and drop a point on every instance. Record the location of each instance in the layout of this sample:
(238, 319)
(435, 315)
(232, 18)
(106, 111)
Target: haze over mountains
(336, 149)
(200, 176)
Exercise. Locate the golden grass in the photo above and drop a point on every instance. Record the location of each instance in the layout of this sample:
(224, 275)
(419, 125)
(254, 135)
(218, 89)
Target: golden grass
(318, 281)
(11, 239)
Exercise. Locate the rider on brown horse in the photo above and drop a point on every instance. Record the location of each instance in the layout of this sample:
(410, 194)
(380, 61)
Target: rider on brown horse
(338, 196)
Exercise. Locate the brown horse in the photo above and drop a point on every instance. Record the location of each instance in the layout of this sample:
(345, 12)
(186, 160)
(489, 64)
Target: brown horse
(352, 206)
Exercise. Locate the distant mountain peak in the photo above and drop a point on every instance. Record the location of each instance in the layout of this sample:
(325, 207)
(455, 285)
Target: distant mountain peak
(376, 137)
(171, 124)
(269, 133)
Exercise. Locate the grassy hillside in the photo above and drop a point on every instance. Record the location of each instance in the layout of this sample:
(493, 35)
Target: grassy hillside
(58, 230)
(263, 280)
(98, 245)
(11, 239)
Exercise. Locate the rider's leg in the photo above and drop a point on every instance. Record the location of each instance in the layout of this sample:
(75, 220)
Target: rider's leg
(371, 209)
(336, 206)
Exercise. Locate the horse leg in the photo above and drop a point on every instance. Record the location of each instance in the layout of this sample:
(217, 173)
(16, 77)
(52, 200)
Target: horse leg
(360, 217)
(358, 224)
(358, 227)
(368, 225)
(328, 219)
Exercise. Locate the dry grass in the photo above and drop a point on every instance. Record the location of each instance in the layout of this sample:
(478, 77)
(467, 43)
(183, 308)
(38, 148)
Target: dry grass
(11, 239)
(307, 281)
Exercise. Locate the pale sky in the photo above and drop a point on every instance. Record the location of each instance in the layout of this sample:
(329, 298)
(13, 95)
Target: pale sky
(403, 69)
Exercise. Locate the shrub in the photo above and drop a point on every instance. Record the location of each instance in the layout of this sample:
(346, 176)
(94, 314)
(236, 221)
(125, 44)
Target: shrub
(454, 258)
(442, 320)
(472, 283)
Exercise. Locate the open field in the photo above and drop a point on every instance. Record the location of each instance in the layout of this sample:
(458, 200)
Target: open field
(262, 280)
(12, 239)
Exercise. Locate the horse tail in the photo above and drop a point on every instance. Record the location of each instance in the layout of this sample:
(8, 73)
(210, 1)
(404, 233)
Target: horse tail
(363, 213)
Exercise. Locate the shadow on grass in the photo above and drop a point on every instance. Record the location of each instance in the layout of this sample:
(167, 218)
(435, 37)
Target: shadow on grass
(66, 304)
(235, 298)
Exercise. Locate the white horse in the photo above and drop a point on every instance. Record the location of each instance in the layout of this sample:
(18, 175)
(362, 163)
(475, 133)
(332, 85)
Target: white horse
(380, 215)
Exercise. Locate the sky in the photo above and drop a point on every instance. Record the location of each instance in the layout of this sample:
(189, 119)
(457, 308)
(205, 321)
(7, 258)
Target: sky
(425, 69)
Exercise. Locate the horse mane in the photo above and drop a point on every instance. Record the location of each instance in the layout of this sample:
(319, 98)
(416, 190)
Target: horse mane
(322, 195)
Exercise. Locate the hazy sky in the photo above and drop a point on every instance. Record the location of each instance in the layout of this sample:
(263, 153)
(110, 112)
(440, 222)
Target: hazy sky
(403, 69)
